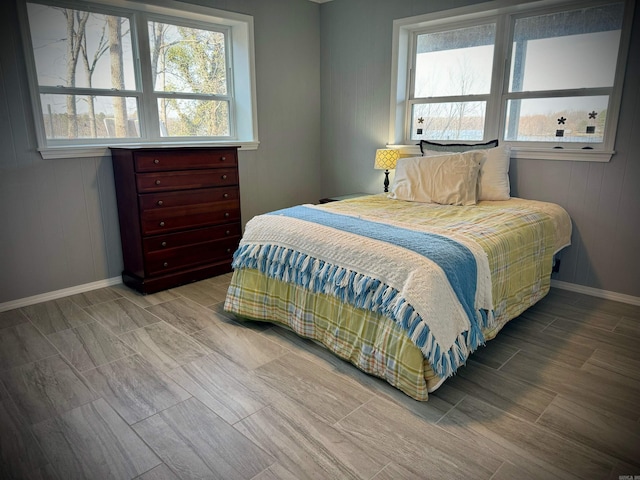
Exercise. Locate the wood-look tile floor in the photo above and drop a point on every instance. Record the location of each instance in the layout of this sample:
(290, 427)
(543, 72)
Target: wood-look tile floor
(112, 384)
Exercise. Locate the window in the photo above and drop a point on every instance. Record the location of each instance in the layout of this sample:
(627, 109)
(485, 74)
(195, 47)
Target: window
(451, 83)
(539, 76)
(103, 76)
(189, 70)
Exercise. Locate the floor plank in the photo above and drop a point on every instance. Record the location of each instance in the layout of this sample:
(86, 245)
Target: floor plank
(616, 364)
(307, 447)
(585, 315)
(521, 334)
(505, 391)
(95, 297)
(609, 306)
(583, 387)
(161, 472)
(395, 472)
(228, 389)
(185, 315)
(597, 429)
(144, 301)
(439, 403)
(46, 388)
(540, 444)
(134, 388)
(629, 327)
(495, 354)
(276, 472)
(93, 442)
(239, 344)
(516, 458)
(323, 392)
(56, 315)
(20, 454)
(89, 346)
(509, 471)
(391, 433)
(576, 332)
(23, 343)
(196, 443)
(205, 293)
(163, 346)
(121, 315)
(12, 318)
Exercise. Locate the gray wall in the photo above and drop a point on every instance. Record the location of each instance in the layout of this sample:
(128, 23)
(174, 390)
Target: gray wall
(323, 80)
(603, 199)
(58, 219)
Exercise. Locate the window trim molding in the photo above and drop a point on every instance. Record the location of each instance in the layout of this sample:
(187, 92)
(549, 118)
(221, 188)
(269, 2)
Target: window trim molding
(242, 75)
(56, 153)
(404, 28)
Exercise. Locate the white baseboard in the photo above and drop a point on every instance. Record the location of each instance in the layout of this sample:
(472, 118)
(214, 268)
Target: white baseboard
(596, 292)
(65, 292)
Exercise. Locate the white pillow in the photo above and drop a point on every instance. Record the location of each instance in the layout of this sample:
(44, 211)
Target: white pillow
(493, 179)
(447, 179)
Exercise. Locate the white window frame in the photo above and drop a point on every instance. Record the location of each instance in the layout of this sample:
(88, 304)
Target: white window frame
(503, 12)
(241, 80)
(151, 96)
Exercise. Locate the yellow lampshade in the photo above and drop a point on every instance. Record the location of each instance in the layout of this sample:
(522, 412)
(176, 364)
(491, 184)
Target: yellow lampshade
(386, 158)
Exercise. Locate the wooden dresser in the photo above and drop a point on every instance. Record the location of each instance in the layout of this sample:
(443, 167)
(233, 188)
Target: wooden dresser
(179, 212)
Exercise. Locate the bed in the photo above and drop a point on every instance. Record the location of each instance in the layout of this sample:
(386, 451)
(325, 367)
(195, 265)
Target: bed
(404, 289)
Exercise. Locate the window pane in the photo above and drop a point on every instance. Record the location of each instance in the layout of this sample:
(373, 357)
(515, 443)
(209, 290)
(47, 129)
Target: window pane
(448, 121)
(455, 62)
(187, 60)
(199, 118)
(75, 48)
(572, 49)
(81, 116)
(541, 119)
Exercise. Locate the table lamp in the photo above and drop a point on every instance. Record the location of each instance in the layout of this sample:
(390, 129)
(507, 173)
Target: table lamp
(386, 159)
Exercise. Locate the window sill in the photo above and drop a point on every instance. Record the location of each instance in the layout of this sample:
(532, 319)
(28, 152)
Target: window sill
(52, 153)
(568, 154)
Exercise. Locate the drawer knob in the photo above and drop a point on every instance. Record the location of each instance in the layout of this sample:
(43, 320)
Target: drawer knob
(160, 203)
(157, 182)
(226, 214)
(228, 250)
(222, 159)
(156, 161)
(165, 264)
(226, 195)
(163, 244)
(227, 232)
(224, 177)
(161, 224)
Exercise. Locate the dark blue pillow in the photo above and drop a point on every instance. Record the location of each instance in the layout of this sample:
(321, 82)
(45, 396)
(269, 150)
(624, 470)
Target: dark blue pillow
(455, 147)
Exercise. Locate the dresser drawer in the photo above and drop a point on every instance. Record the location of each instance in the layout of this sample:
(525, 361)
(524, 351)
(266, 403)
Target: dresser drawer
(183, 180)
(191, 237)
(182, 257)
(159, 160)
(150, 201)
(165, 220)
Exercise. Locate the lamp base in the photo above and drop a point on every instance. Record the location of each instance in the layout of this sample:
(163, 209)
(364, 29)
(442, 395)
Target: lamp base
(386, 181)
